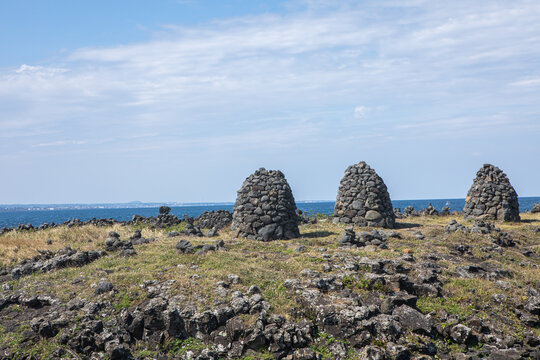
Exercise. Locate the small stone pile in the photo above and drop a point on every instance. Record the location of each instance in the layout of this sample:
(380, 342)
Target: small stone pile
(186, 247)
(454, 226)
(376, 238)
(429, 211)
(113, 243)
(363, 199)
(265, 208)
(491, 196)
(536, 208)
(164, 219)
(214, 219)
(410, 211)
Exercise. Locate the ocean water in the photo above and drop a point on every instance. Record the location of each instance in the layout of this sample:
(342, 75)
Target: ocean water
(38, 217)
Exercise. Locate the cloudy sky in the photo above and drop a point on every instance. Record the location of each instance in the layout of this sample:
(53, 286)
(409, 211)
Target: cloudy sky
(180, 100)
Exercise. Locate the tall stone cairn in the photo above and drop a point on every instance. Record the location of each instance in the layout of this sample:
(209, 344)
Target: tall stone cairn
(265, 208)
(363, 199)
(491, 196)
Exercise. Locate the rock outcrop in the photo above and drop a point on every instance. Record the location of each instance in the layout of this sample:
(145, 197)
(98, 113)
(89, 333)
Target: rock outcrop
(491, 196)
(265, 208)
(363, 199)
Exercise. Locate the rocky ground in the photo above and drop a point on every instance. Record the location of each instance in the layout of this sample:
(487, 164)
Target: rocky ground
(437, 287)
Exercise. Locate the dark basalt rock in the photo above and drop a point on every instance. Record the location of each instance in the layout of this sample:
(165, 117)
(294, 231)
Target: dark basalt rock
(429, 211)
(164, 210)
(265, 208)
(48, 261)
(214, 219)
(491, 196)
(184, 246)
(103, 287)
(363, 199)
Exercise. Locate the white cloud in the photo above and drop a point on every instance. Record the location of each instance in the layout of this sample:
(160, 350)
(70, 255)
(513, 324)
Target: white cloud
(62, 143)
(236, 76)
(39, 70)
(526, 83)
(360, 112)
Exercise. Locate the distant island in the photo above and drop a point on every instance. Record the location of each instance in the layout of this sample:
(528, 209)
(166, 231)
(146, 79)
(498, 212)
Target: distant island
(126, 205)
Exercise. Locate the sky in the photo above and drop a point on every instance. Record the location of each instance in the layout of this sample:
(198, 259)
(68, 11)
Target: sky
(181, 100)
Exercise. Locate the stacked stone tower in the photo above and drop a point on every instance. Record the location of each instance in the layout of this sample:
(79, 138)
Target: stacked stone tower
(363, 199)
(491, 196)
(265, 208)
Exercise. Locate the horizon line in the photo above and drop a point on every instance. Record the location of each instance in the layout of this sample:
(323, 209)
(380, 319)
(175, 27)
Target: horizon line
(173, 203)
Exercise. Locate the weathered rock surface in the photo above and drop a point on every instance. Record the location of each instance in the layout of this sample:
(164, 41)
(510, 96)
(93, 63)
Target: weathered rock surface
(363, 199)
(48, 261)
(491, 196)
(363, 238)
(214, 219)
(265, 208)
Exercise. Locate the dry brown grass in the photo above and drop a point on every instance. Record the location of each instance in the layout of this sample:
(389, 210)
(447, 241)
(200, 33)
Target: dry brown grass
(266, 265)
(16, 246)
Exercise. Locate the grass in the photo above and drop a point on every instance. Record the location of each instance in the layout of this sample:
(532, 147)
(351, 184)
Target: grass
(268, 265)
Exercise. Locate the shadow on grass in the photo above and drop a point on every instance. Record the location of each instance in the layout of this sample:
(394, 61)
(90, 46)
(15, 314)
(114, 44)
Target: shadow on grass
(317, 234)
(400, 225)
(529, 221)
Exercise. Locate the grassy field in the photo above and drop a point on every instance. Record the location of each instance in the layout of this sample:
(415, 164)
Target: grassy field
(268, 265)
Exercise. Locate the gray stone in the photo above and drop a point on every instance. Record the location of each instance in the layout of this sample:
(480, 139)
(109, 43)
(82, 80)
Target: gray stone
(460, 333)
(103, 287)
(412, 319)
(184, 246)
(373, 215)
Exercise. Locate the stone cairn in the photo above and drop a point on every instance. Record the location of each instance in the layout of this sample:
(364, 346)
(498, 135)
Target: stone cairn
(491, 196)
(265, 208)
(363, 199)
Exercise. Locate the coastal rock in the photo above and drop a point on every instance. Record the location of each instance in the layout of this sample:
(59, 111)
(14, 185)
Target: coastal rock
(265, 208)
(491, 196)
(363, 199)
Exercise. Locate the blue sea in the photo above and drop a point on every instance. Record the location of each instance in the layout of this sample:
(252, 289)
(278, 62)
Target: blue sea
(10, 218)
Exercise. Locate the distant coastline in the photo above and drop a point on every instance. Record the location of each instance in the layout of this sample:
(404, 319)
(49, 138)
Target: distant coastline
(145, 205)
(128, 205)
(37, 214)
